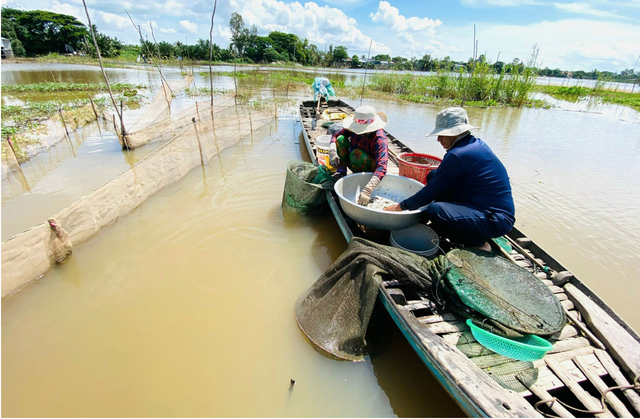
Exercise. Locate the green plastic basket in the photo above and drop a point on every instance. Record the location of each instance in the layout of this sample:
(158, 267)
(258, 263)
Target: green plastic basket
(526, 348)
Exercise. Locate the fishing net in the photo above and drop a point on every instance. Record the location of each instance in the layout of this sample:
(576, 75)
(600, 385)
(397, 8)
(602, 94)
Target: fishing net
(28, 255)
(160, 106)
(169, 128)
(335, 311)
(508, 295)
(305, 185)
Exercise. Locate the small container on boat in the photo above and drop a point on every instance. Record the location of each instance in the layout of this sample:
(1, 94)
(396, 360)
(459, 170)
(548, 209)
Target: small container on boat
(418, 239)
(322, 151)
(417, 166)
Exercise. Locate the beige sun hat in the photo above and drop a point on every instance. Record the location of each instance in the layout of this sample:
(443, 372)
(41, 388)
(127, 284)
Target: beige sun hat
(451, 121)
(365, 120)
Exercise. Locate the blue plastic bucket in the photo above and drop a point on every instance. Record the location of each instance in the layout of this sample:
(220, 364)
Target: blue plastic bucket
(418, 239)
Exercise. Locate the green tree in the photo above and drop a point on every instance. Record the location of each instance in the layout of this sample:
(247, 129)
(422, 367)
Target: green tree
(355, 61)
(240, 35)
(45, 32)
(284, 43)
(382, 57)
(271, 55)
(340, 54)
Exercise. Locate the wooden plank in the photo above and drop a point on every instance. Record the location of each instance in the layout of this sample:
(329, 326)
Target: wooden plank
(567, 304)
(447, 327)
(619, 378)
(555, 289)
(437, 318)
(597, 382)
(623, 347)
(459, 338)
(585, 398)
(569, 344)
(544, 395)
(568, 331)
(584, 329)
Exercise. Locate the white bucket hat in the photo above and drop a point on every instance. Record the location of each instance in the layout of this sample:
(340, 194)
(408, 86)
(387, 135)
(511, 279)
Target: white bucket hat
(450, 122)
(365, 120)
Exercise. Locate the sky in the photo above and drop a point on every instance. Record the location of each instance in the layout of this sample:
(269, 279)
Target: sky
(571, 35)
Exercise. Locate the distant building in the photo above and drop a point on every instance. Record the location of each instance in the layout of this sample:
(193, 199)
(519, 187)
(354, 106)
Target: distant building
(7, 52)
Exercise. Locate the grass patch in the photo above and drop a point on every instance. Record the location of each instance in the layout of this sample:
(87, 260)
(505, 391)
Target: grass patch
(578, 93)
(20, 118)
(482, 87)
(124, 88)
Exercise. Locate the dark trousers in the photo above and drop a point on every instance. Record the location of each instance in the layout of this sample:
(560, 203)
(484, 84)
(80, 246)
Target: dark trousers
(464, 225)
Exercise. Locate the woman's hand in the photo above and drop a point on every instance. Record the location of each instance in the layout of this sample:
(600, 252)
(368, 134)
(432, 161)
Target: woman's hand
(394, 207)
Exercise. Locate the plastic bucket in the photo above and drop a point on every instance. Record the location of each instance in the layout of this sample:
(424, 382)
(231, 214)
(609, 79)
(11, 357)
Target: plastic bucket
(417, 166)
(322, 150)
(418, 239)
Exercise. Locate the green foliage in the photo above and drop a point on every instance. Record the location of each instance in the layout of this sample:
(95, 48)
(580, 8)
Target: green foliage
(41, 32)
(480, 87)
(340, 54)
(18, 48)
(67, 87)
(576, 93)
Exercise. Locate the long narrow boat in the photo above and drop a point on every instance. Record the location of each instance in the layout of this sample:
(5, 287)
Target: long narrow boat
(596, 350)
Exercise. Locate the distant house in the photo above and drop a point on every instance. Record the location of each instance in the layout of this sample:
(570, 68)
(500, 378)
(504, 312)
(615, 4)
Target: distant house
(7, 52)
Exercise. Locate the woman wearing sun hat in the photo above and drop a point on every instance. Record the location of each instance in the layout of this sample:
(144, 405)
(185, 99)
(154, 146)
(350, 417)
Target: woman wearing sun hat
(469, 195)
(361, 145)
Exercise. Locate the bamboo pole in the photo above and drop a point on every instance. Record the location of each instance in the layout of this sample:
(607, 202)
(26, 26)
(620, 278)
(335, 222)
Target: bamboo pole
(164, 89)
(215, 5)
(137, 27)
(602, 388)
(104, 74)
(64, 122)
(93, 106)
(13, 150)
(366, 68)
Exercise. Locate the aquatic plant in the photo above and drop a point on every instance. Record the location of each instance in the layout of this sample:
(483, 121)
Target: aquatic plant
(68, 87)
(576, 93)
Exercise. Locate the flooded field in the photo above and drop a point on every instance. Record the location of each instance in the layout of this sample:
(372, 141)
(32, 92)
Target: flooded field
(185, 306)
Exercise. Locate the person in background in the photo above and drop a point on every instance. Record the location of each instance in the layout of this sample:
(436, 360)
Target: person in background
(361, 145)
(469, 196)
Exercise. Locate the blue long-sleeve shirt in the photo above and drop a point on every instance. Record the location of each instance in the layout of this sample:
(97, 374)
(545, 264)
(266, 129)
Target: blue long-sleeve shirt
(470, 174)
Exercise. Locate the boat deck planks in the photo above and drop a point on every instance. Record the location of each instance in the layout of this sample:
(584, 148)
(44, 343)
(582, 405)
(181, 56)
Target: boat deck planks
(435, 336)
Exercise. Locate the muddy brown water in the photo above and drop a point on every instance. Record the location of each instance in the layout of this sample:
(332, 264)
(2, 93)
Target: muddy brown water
(185, 306)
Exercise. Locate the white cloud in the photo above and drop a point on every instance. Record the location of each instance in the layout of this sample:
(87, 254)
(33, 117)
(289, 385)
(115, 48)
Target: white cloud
(586, 44)
(319, 24)
(416, 35)
(170, 30)
(391, 16)
(114, 21)
(190, 26)
(585, 9)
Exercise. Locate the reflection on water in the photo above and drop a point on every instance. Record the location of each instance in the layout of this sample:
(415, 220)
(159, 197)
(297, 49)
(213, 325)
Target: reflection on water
(185, 306)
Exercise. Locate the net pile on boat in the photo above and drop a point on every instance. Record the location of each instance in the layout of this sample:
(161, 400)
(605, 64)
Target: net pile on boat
(305, 186)
(334, 313)
(28, 255)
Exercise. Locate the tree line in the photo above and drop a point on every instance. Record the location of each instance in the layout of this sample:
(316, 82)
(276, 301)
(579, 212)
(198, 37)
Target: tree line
(38, 32)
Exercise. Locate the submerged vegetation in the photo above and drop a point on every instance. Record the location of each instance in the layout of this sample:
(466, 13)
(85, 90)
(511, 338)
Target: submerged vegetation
(18, 119)
(579, 93)
(124, 88)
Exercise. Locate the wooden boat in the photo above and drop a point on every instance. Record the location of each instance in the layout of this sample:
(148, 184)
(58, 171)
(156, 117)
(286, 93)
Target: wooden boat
(596, 350)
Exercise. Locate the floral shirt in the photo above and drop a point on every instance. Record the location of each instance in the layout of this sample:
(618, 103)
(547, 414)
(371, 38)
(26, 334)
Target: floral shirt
(374, 143)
